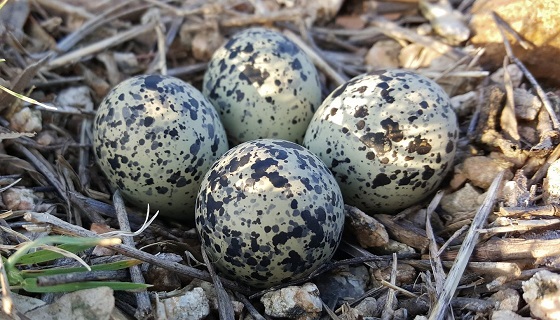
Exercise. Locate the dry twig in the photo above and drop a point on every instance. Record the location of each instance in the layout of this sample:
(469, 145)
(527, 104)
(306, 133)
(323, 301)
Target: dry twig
(439, 310)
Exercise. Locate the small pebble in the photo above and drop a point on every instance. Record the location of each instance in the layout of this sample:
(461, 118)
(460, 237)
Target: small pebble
(481, 170)
(552, 184)
(301, 303)
(205, 43)
(210, 292)
(415, 306)
(367, 307)
(383, 55)
(394, 246)
(46, 137)
(79, 97)
(515, 74)
(464, 104)
(507, 315)
(466, 199)
(367, 231)
(343, 285)
(97, 303)
(192, 305)
(27, 120)
(542, 293)
(507, 299)
(162, 279)
(527, 105)
(19, 199)
(405, 274)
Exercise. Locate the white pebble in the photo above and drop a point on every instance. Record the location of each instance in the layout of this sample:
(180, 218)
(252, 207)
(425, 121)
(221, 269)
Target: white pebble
(189, 306)
(27, 120)
(293, 302)
(542, 293)
(552, 183)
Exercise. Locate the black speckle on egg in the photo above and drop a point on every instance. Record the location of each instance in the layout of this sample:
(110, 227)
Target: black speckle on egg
(262, 225)
(388, 137)
(144, 131)
(263, 86)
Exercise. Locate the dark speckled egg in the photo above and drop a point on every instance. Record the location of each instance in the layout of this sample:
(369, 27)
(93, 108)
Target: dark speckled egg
(269, 212)
(263, 86)
(389, 137)
(154, 138)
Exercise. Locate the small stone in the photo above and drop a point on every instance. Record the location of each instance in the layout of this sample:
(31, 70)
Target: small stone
(400, 314)
(515, 74)
(213, 297)
(383, 55)
(542, 293)
(344, 284)
(446, 22)
(515, 193)
(405, 274)
(27, 120)
(367, 307)
(349, 314)
(192, 305)
(301, 303)
(528, 133)
(507, 315)
(551, 184)
(46, 137)
(78, 97)
(24, 304)
(97, 303)
(205, 43)
(507, 299)
(369, 232)
(127, 62)
(464, 104)
(19, 199)
(481, 170)
(394, 246)
(527, 105)
(414, 306)
(464, 199)
(161, 278)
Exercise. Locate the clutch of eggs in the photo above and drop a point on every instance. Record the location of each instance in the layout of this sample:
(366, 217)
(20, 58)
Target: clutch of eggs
(263, 86)
(269, 212)
(389, 137)
(154, 138)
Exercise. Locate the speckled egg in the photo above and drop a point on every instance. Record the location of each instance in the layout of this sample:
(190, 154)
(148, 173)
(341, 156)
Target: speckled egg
(269, 212)
(389, 137)
(263, 86)
(154, 138)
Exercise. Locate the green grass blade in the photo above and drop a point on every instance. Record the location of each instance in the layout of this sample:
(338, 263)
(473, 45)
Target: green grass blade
(47, 255)
(49, 240)
(27, 99)
(30, 285)
(112, 266)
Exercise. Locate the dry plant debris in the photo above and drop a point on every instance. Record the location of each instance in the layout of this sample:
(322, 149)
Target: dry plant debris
(486, 247)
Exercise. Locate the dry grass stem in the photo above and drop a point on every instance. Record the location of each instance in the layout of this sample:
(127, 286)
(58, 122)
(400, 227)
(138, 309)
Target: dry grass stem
(225, 307)
(317, 59)
(77, 55)
(435, 262)
(142, 299)
(439, 310)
